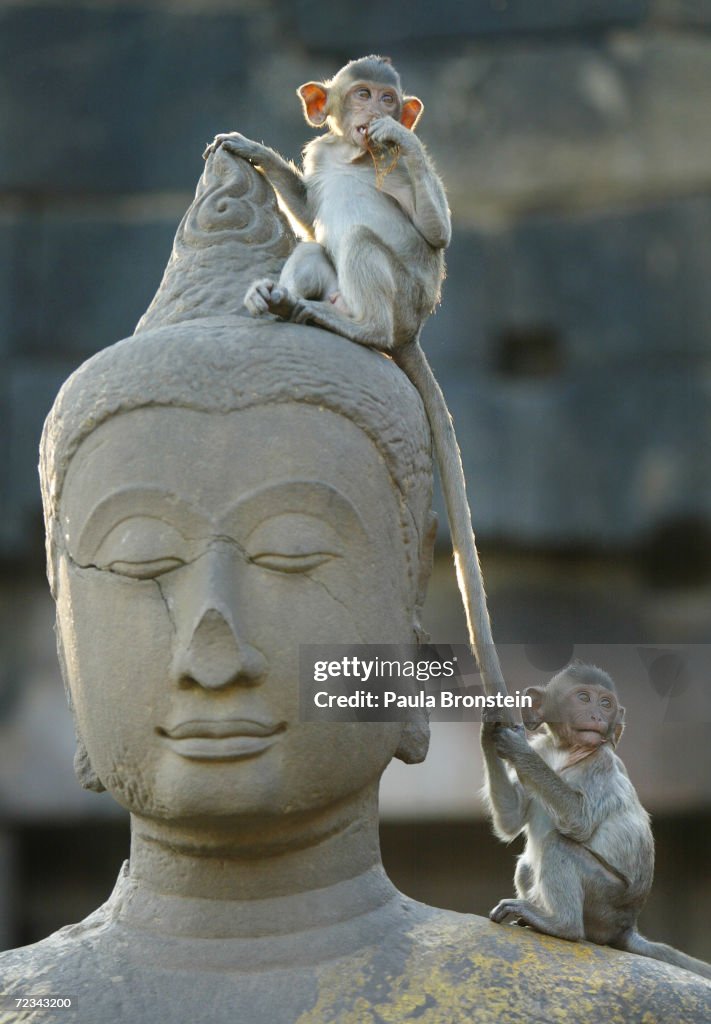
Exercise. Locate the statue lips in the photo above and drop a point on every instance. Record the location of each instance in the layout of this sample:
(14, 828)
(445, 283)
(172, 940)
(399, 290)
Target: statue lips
(231, 739)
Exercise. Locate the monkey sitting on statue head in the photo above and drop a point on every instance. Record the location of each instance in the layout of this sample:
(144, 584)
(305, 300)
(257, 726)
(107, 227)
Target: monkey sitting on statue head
(376, 222)
(372, 200)
(588, 864)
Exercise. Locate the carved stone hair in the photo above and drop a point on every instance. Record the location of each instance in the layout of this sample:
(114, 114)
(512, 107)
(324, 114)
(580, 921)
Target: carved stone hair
(225, 370)
(235, 364)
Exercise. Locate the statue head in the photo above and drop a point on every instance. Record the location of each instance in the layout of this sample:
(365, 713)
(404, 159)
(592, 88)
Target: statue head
(215, 495)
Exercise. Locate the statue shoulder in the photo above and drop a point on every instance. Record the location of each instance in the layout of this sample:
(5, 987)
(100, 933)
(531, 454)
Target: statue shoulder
(420, 963)
(456, 968)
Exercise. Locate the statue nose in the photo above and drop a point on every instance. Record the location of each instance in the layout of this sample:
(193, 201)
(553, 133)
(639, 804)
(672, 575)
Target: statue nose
(216, 657)
(212, 650)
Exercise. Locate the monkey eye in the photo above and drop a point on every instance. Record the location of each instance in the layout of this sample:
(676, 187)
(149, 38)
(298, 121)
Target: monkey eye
(584, 696)
(363, 94)
(606, 703)
(388, 97)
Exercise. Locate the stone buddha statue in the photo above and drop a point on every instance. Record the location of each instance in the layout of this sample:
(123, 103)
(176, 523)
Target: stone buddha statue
(217, 493)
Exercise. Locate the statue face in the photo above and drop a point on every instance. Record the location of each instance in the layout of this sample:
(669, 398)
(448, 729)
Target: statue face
(200, 551)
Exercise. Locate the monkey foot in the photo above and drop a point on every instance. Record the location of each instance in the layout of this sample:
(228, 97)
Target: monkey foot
(265, 296)
(281, 304)
(508, 908)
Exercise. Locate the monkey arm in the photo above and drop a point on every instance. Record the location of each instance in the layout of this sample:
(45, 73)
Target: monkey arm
(504, 794)
(431, 217)
(289, 183)
(431, 212)
(284, 177)
(576, 812)
(567, 807)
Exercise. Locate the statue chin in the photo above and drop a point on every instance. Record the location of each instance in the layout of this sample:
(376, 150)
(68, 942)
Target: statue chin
(217, 493)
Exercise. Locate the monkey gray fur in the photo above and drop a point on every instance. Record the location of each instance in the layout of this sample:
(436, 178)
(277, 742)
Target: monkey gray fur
(372, 264)
(588, 864)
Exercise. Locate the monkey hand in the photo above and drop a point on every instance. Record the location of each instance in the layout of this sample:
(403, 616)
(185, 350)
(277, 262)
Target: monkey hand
(489, 729)
(385, 131)
(510, 909)
(238, 144)
(510, 742)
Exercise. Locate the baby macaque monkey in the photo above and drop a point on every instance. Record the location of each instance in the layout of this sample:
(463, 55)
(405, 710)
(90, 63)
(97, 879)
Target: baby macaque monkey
(376, 223)
(588, 864)
(372, 200)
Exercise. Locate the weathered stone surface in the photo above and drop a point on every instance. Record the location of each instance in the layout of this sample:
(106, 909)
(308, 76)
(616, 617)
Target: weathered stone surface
(8, 232)
(88, 97)
(584, 459)
(574, 124)
(30, 391)
(691, 13)
(456, 336)
(7, 533)
(624, 290)
(85, 280)
(358, 24)
(623, 285)
(199, 532)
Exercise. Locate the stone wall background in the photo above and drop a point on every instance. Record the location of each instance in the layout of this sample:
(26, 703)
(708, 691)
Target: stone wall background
(572, 343)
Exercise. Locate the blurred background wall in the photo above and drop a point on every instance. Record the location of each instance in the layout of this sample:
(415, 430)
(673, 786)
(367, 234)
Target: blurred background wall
(572, 343)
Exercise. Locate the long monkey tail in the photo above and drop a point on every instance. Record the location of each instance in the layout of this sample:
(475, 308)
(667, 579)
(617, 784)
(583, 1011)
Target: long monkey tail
(633, 942)
(413, 361)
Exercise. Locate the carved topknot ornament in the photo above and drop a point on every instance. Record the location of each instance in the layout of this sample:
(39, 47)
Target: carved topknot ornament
(232, 231)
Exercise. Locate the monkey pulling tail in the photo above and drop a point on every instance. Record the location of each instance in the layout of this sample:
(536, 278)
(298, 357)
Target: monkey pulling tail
(413, 361)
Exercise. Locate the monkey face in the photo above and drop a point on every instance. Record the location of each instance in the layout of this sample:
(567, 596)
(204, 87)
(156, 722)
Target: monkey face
(581, 714)
(362, 104)
(198, 556)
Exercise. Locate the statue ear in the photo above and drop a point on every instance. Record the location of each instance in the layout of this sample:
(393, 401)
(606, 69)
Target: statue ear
(411, 111)
(314, 97)
(423, 574)
(533, 716)
(414, 739)
(614, 733)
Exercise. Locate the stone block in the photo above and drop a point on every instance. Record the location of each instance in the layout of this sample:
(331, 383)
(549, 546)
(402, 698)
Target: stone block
(454, 338)
(589, 459)
(31, 390)
(8, 238)
(687, 13)
(7, 528)
(568, 125)
(117, 99)
(86, 281)
(353, 26)
(622, 286)
(555, 295)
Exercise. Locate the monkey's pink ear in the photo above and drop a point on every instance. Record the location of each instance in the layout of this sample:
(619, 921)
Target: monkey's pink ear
(533, 716)
(314, 97)
(411, 111)
(617, 728)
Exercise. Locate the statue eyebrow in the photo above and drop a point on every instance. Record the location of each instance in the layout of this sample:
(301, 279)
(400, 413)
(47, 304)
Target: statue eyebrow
(311, 497)
(305, 497)
(137, 501)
